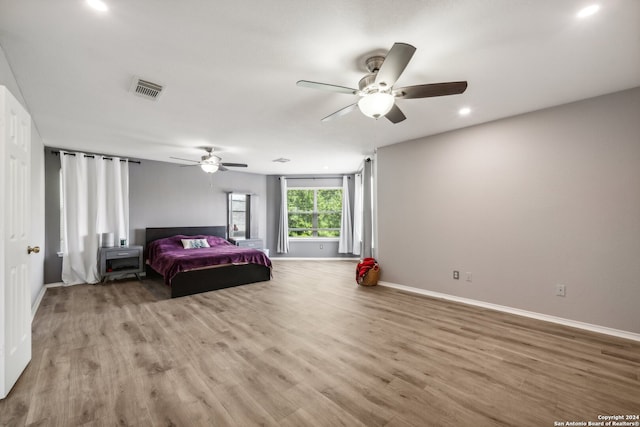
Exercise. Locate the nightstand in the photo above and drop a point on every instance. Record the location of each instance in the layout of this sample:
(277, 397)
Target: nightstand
(247, 243)
(120, 260)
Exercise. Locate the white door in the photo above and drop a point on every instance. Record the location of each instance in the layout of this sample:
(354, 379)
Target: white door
(15, 299)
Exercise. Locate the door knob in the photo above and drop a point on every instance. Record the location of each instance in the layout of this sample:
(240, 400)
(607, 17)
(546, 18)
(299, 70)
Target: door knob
(35, 249)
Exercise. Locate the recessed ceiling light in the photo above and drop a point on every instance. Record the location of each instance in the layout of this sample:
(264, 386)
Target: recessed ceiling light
(588, 11)
(98, 5)
(464, 111)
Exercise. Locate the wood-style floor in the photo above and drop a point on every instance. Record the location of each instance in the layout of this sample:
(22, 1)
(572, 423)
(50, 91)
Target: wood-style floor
(309, 348)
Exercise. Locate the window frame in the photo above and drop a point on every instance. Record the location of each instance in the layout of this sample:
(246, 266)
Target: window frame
(314, 229)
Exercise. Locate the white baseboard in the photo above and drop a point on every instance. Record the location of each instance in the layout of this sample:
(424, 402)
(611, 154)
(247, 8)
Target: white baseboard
(531, 314)
(36, 303)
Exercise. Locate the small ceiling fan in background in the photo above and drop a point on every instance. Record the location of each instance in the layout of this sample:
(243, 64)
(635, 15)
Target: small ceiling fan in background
(211, 163)
(376, 91)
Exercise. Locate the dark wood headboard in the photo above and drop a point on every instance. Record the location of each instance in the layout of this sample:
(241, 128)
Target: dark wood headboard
(156, 233)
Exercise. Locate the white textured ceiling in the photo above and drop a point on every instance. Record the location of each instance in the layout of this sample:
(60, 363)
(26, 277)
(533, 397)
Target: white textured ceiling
(230, 70)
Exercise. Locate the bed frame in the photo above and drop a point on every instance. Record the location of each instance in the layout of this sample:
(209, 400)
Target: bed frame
(210, 279)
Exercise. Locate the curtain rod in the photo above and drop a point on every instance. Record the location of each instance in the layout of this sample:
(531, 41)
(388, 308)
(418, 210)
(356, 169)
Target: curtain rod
(316, 177)
(92, 156)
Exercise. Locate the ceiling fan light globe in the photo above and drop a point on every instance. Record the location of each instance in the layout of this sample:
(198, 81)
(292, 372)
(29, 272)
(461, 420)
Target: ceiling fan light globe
(376, 105)
(209, 167)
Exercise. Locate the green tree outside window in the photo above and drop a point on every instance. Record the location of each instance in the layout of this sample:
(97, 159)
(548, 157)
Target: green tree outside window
(315, 212)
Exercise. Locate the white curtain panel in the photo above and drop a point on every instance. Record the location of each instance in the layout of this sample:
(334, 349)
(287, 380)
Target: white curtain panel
(95, 193)
(357, 214)
(283, 224)
(345, 245)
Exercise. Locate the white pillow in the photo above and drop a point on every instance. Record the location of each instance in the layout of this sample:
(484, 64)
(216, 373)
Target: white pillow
(195, 243)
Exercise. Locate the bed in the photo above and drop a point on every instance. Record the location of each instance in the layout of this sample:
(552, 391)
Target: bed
(196, 276)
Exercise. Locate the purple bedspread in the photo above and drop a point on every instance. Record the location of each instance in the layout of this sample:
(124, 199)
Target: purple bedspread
(168, 257)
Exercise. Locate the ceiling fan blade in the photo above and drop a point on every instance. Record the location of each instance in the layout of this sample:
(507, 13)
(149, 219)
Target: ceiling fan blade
(395, 115)
(222, 168)
(186, 160)
(189, 166)
(342, 112)
(430, 90)
(394, 64)
(325, 86)
(235, 165)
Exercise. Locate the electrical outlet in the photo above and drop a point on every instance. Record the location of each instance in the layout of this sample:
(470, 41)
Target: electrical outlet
(469, 277)
(561, 290)
(456, 274)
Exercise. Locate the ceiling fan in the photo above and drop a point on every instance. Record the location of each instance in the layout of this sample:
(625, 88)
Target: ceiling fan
(376, 91)
(211, 163)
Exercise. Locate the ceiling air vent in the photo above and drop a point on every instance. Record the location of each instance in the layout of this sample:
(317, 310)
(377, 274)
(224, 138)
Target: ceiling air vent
(146, 89)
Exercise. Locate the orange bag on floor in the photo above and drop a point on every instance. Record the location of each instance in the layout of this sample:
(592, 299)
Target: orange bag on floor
(367, 272)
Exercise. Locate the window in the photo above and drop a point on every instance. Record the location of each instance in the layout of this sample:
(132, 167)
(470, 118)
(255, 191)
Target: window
(314, 212)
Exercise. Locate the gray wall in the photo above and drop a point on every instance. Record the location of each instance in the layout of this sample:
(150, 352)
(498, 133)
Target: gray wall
(36, 233)
(167, 195)
(307, 249)
(52, 262)
(161, 195)
(551, 197)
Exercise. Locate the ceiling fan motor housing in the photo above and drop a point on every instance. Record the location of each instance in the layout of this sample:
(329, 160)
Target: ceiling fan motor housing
(210, 158)
(367, 84)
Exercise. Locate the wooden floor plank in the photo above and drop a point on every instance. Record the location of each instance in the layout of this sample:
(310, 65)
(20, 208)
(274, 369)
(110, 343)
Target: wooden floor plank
(309, 348)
